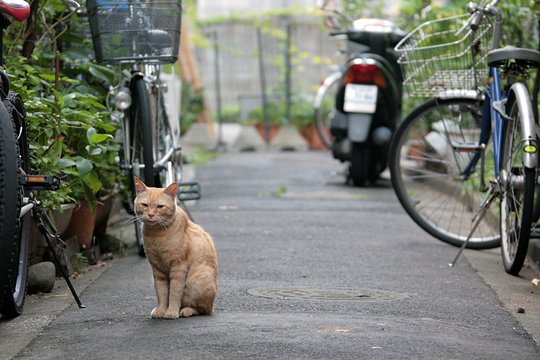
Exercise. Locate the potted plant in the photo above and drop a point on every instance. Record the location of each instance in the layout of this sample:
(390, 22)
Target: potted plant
(274, 116)
(303, 118)
(69, 129)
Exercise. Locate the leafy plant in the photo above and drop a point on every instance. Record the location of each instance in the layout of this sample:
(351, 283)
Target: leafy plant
(229, 114)
(69, 130)
(302, 112)
(79, 262)
(274, 114)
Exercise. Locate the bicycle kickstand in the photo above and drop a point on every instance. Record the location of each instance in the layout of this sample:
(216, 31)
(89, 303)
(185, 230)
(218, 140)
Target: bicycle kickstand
(484, 207)
(48, 231)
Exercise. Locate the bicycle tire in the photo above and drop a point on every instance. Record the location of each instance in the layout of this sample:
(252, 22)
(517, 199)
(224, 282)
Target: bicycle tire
(517, 202)
(325, 95)
(142, 145)
(141, 151)
(425, 172)
(14, 232)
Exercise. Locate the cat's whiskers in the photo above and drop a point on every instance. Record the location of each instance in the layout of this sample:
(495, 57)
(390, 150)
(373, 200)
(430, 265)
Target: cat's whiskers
(130, 220)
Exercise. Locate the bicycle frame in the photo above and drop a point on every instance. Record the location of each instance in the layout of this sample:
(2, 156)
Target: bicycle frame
(494, 94)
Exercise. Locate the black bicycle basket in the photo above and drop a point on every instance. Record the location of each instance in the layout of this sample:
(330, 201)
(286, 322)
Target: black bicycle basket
(128, 31)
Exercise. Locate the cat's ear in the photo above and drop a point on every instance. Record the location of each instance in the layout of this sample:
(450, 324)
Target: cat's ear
(172, 190)
(139, 185)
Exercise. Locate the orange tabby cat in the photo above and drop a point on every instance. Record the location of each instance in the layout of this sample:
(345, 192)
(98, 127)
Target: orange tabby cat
(181, 254)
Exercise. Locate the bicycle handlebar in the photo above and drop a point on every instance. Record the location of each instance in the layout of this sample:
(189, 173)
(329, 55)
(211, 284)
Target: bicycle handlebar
(478, 12)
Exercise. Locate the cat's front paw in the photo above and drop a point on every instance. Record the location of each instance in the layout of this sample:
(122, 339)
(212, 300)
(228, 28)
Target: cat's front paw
(158, 313)
(172, 314)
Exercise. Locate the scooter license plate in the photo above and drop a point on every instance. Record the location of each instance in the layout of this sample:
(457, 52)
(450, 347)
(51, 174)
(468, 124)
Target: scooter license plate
(360, 98)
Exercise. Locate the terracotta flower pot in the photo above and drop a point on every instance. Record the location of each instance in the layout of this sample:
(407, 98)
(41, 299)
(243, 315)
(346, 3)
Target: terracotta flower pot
(309, 132)
(82, 225)
(272, 130)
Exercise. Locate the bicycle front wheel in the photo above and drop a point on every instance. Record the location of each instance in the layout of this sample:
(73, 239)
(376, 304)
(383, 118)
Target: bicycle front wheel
(517, 191)
(141, 152)
(428, 156)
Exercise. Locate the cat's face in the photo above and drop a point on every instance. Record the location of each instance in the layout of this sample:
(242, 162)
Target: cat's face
(155, 206)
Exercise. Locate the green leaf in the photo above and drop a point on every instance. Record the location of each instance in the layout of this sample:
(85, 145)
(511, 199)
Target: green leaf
(48, 77)
(55, 151)
(65, 163)
(92, 180)
(89, 133)
(96, 151)
(84, 166)
(99, 138)
(103, 73)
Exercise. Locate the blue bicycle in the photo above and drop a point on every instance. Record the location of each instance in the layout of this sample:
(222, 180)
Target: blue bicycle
(443, 172)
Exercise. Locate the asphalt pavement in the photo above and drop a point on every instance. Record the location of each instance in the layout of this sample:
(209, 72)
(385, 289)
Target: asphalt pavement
(309, 268)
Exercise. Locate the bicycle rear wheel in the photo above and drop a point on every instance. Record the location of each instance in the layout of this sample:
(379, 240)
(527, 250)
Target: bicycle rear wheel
(517, 191)
(141, 152)
(14, 232)
(426, 164)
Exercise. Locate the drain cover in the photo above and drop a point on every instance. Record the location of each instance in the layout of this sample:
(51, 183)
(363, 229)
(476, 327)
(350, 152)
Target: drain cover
(319, 293)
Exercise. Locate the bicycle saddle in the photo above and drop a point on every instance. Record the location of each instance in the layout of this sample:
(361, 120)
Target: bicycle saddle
(523, 57)
(18, 9)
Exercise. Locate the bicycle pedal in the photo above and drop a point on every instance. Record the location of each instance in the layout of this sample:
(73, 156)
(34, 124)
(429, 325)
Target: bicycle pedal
(189, 191)
(40, 182)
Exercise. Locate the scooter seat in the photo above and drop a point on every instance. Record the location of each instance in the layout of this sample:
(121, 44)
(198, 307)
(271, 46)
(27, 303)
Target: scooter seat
(523, 57)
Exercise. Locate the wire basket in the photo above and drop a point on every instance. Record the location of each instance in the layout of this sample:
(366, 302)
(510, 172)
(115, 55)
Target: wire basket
(129, 31)
(437, 62)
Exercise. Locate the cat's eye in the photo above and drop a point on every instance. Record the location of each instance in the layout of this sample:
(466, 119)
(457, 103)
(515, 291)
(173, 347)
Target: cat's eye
(160, 206)
(144, 205)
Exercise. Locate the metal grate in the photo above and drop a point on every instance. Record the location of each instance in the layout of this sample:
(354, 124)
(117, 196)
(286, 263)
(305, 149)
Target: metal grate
(318, 293)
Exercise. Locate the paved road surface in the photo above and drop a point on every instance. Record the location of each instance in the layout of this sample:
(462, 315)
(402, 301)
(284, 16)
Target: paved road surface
(309, 269)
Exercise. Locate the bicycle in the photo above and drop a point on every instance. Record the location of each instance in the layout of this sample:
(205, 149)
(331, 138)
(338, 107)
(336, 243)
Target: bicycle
(439, 158)
(19, 188)
(139, 37)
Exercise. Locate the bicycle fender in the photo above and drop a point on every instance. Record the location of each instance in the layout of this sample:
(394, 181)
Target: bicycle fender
(528, 124)
(359, 125)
